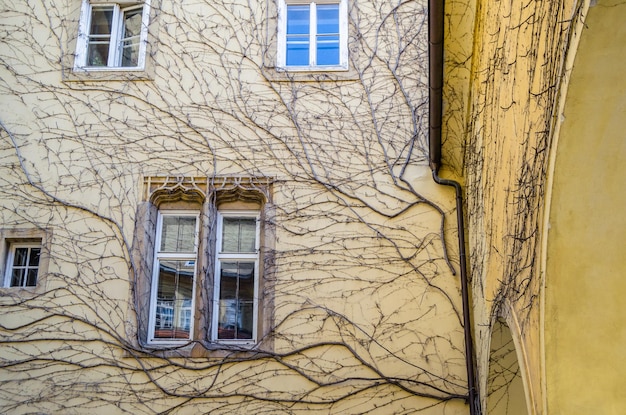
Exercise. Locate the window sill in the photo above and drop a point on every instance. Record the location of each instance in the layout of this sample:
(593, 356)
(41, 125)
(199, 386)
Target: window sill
(312, 74)
(20, 292)
(107, 74)
(195, 350)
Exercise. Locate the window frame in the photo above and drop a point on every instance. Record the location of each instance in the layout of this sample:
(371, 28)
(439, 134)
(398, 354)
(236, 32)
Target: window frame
(10, 263)
(281, 53)
(236, 256)
(159, 256)
(115, 52)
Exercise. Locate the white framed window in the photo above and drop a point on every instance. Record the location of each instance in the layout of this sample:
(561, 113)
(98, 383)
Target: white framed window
(22, 267)
(312, 35)
(174, 276)
(112, 36)
(236, 282)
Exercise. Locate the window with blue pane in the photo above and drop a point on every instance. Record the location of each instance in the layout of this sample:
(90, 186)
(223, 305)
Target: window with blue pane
(298, 35)
(327, 39)
(313, 35)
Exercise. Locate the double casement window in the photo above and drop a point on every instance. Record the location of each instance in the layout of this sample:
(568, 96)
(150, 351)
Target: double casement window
(312, 35)
(233, 283)
(22, 265)
(112, 35)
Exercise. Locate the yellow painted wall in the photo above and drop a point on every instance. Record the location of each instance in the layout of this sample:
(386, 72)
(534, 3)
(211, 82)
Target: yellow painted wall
(359, 259)
(517, 65)
(585, 327)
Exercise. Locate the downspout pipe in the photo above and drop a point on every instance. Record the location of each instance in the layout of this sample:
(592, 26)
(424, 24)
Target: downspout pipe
(435, 64)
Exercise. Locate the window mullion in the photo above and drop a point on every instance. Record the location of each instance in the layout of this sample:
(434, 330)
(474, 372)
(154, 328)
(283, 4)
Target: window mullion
(114, 45)
(313, 35)
(343, 33)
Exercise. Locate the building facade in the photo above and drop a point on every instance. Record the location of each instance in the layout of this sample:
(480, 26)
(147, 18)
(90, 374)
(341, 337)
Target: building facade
(226, 207)
(223, 207)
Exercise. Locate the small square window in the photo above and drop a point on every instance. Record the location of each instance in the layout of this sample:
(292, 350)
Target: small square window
(22, 265)
(312, 35)
(112, 36)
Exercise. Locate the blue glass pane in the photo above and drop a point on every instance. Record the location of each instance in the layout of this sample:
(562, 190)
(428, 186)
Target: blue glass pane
(328, 19)
(327, 34)
(327, 52)
(298, 20)
(297, 53)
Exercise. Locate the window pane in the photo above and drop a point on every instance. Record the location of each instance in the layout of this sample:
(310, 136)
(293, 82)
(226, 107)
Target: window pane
(297, 40)
(99, 36)
(130, 54)
(101, 20)
(31, 277)
(17, 277)
(25, 266)
(239, 235)
(98, 53)
(327, 34)
(132, 23)
(33, 260)
(178, 234)
(297, 53)
(298, 20)
(20, 258)
(131, 34)
(174, 300)
(236, 312)
(328, 19)
(328, 50)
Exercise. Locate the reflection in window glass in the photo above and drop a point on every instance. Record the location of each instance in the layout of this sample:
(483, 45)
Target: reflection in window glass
(236, 300)
(174, 300)
(100, 36)
(131, 33)
(112, 36)
(172, 313)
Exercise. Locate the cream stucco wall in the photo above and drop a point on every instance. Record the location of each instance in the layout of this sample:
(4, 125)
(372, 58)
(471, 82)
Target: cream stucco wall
(585, 329)
(362, 310)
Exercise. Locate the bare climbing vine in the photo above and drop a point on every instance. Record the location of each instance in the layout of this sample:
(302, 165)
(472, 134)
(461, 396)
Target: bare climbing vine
(365, 312)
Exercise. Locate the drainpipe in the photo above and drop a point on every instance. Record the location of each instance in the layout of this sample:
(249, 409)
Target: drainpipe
(435, 64)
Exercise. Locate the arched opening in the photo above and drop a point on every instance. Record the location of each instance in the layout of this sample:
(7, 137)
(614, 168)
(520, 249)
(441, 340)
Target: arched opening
(505, 388)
